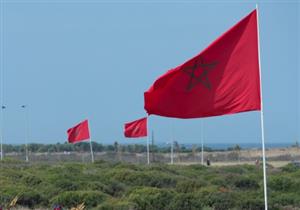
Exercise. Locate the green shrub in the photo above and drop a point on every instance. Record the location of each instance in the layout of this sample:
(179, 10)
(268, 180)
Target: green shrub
(149, 178)
(221, 201)
(280, 183)
(286, 199)
(185, 186)
(251, 204)
(31, 180)
(66, 185)
(31, 198)
(219, 181)
(98, 186)
(233, 169)
(246, 183)
(186, 201)
(205, 193)
(74, 198)
(290, 168)
(151, 198)
(115, 188)
(116, 205)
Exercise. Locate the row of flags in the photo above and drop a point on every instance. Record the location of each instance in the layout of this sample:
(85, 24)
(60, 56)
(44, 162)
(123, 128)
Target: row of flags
(223, 79)
(81, 131)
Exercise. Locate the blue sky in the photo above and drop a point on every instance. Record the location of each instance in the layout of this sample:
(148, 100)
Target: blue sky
(72, 60)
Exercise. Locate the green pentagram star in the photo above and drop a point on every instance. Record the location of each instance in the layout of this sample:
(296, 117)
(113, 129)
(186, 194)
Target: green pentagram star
(199, 65)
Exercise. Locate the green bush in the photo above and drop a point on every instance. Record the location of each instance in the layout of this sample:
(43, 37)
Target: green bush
(151, 198)
(119, 186)
(31, 198)
(115, 188)
(290, 168)
(234, 170)
(65, 184)
(246, 183)
(251, 204)
(286, 199)
(219, 181)
(149, 178)
(74, 198)
(280, 183)
(116, 205)
(205, 193)
(31, 180)
(186, 201)
(98, 186)
(222, 200)
(185, 186)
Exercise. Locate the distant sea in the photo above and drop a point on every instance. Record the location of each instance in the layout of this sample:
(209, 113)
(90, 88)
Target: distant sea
(242, 145)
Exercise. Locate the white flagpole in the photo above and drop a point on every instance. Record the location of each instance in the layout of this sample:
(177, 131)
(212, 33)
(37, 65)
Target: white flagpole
(27, 139)
(91, 147)
(25, 107)
(1, 130)
(92, 154)
(172, 143)
(1, 76)
(148, 155)
(202, 141)
(262, 118)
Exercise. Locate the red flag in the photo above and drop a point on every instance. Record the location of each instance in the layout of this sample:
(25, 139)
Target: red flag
(79, 132)
(137, 128)
(222, 79)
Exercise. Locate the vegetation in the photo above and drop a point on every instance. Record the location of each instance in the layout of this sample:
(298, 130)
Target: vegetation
(123, 186)
(85, 147)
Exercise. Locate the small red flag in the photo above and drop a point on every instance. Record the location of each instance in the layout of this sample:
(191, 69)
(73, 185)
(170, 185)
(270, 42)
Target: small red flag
(137, 128)
(222, 79)
(79, 132)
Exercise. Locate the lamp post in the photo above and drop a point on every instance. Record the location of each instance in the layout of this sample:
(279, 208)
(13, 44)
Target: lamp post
(27, 130)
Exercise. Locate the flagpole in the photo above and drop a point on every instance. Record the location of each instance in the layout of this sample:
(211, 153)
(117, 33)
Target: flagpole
(91, 147)
(202, 141)
(27, 131)
(92, 154)
(1, 75)
(172, 143)
(148, 155)
(1, 129)
(262, 117)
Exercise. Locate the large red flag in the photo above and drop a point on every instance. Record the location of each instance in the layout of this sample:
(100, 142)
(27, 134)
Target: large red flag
(137, 128)
(222, 79)
(79, 132)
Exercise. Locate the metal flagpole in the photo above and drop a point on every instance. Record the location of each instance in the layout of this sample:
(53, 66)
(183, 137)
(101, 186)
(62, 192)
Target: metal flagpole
(172, 158)
(202, 141)
(172, 143)
(148, 155)
(262, 118)
(92, 154)
(91, 147)
(27, 131)
(1, 129)
(1, 75)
